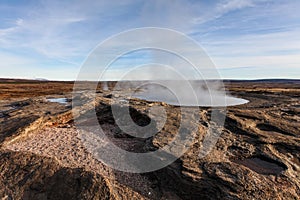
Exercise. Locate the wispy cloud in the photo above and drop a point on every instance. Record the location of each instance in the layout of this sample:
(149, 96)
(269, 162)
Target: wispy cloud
(222, 8)
(56, 32)
(235, 33)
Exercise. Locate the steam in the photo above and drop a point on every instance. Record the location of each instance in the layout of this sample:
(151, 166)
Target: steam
(197, 94)
(104, 86)
(177, 65)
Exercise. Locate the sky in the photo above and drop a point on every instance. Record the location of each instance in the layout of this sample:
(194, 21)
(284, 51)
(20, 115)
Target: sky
(245, 39)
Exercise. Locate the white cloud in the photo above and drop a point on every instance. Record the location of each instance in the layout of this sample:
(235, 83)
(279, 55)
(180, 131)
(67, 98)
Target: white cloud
(221, 8)
(58, 29)
(255, 44)
(282, 61)
(9, 60)
(66, 32)
(230, 5)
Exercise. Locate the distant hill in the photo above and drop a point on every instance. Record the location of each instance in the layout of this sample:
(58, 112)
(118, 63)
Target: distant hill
(12, 80)
(296, 81)
(41, 79)
(37, 80)
(265, 81)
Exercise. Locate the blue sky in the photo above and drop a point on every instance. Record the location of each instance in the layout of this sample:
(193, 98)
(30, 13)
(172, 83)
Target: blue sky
(246, 39)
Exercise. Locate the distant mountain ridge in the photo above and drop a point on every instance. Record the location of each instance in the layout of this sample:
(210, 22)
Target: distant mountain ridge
(41, 79)
(10, 80)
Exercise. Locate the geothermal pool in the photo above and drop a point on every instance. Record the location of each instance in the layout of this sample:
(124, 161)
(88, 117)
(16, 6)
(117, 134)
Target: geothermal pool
(58, 100)
(202, 99)
(229, 101)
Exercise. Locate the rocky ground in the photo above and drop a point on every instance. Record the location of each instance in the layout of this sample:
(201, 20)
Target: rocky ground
(256, 156)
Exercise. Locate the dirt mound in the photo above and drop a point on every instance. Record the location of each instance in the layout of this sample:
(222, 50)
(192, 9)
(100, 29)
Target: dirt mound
(29, 176)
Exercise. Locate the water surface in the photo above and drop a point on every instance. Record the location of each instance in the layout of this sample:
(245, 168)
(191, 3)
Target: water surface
(58, 100)
(202, 100)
